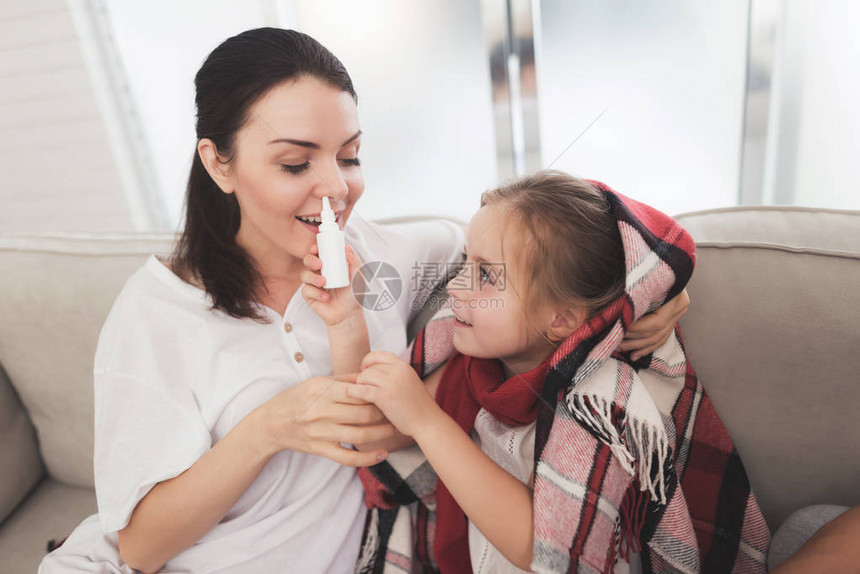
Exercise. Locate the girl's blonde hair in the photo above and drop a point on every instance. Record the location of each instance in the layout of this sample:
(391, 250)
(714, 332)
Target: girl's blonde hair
(572, 253)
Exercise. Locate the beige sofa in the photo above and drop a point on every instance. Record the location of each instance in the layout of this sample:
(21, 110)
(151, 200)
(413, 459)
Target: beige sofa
(774, 332)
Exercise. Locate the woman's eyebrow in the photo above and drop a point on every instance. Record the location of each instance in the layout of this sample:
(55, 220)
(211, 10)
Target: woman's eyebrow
(313, 145)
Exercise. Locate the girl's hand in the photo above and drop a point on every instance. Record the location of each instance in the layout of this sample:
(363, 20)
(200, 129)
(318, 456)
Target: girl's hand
(393, 385)
(316, 415)
(650, 332)
(332, 305)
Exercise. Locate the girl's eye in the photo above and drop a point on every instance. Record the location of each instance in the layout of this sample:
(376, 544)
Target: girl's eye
(353, 161)
(486, 277)
(455, 267)
(295, 169)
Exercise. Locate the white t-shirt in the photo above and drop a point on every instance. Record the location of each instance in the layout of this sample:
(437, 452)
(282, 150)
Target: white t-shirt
(172, 378)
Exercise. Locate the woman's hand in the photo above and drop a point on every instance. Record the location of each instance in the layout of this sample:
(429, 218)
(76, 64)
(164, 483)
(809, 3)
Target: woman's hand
(317, 415)
(332, 305)
(650, 332)
(393, 385)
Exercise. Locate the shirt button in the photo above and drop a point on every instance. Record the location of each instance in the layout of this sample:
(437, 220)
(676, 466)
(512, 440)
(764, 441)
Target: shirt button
(298, 357)
(288, 327)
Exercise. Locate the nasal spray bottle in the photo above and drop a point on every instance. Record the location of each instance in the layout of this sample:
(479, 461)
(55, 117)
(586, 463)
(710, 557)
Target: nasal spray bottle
(332, 249)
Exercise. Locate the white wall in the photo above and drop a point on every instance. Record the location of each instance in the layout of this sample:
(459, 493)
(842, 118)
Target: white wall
(673, 76)
(58, 169)
(423, 82)
(671, 73)
(419, 70)
(162, 44)
(815, 147)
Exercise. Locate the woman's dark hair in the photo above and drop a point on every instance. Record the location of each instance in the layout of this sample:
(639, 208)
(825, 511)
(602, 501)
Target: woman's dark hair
(232, 79)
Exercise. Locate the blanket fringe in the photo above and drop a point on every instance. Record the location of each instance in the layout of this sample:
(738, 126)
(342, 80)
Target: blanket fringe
(631, 520)
(370, 549)
(640, 448)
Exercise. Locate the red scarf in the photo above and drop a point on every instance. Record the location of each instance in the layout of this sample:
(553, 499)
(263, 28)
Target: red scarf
(467, 385)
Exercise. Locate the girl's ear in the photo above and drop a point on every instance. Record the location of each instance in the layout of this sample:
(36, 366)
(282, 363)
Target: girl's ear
(218, 170)
(566, 321)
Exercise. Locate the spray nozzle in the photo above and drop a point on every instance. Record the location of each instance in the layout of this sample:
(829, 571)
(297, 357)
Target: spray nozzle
(327, 215)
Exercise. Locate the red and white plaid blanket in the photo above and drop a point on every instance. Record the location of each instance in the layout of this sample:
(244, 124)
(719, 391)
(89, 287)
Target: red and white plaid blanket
(629, 456)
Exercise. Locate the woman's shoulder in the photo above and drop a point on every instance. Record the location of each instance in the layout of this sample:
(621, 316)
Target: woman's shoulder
(153, 305)
(411, 245)
(417, 234)
(186, 276)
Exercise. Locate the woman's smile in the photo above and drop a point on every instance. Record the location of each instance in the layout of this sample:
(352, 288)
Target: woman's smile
(313, 222)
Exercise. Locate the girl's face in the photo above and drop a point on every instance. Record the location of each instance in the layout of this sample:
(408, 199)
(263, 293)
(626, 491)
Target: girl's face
(490, 320)
(300, 142)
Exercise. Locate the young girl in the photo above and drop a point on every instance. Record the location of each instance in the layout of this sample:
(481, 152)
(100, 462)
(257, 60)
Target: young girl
(555, 451)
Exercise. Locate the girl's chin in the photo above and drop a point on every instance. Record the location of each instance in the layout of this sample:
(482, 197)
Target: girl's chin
(461, 346)
(469, 348)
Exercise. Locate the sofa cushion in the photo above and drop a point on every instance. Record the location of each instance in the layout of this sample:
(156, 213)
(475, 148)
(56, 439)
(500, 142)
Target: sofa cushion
(773, 334)
(57, 292)
(22, 467)
(52, 511)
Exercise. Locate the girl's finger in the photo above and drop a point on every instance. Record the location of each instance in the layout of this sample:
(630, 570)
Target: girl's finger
(377, 373)
(371, 376)
(361, 391)
(378, 357)
(315, 250)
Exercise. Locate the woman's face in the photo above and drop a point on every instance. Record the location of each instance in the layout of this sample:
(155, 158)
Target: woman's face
(300, 143)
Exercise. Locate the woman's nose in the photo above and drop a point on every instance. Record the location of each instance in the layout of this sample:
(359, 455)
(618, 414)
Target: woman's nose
(332, 182)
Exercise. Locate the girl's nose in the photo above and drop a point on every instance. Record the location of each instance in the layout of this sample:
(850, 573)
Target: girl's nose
(462, 283)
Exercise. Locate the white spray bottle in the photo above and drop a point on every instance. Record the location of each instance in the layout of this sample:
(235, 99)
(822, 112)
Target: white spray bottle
(332, 249)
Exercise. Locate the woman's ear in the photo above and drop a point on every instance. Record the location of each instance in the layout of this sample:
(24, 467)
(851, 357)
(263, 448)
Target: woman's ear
(219, 171)
(566, 321)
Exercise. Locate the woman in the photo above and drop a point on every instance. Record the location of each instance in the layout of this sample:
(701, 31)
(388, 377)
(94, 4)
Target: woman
(221, 443)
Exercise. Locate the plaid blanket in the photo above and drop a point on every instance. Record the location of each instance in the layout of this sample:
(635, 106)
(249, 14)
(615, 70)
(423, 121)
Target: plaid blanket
(629, 456)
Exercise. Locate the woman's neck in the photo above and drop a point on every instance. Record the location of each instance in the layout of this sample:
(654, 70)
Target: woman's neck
(277, 290)
(278, 270)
